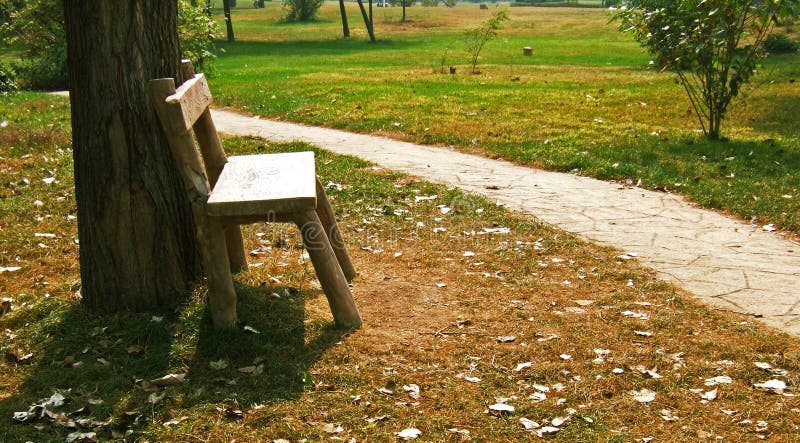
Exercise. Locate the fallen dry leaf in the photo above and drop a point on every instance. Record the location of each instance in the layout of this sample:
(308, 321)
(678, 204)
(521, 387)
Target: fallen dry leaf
(376, 419)
(462, 432)
(521, 366)
(558, 421)
(644, 395)
(639, 315)
(408, 434)
(774, 385)
(251, 330)
(668, 415)
(218, 365)
(710, 395)
(472, 379)
(538, 396)
(412, 390)
(547, 430)
(169, 380)
(331, 428)
(718, 380)
(81, 436)
(500, 409)
(252, 370)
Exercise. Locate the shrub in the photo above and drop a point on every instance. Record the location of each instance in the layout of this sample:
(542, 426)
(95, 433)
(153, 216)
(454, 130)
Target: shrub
(196, 32)
(39, 27)
(48, 72)
(7, 83)
(301, 10)
(780, 43)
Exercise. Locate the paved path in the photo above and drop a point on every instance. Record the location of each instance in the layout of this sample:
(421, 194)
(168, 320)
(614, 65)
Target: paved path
(727, 263)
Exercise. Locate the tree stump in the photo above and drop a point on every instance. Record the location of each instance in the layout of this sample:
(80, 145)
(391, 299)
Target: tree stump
(527, 50)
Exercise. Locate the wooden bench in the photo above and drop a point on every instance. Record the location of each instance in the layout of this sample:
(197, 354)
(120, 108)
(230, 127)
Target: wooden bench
(228, 192)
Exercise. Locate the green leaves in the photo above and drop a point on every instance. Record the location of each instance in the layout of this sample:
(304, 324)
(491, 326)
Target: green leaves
(703, 42)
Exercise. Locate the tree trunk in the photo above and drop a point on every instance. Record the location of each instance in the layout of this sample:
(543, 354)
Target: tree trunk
(137, 244)
(403, 2)
(226, 8)
(345, 28)
(367, 20)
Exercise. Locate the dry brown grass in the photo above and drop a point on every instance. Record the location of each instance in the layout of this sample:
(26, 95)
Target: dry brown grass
(434, 315)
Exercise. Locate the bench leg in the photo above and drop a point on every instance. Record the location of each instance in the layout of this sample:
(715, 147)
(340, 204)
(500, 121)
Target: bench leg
(330, 275)
(221, 295)
(236, 256)
(328, 219)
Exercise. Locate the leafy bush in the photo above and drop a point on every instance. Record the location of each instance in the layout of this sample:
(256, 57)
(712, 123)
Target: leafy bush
(780, 43)
(48, 72)
(301, 10)
(39, 27)
(7, 83)
(196, 32)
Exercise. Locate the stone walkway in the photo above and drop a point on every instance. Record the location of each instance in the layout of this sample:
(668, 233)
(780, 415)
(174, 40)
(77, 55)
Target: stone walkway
(727, 263)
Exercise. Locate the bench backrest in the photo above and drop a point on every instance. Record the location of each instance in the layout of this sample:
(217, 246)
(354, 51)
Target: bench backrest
(182, 112)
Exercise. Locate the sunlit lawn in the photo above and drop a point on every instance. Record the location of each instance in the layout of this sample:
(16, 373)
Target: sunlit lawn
(466, 306)
(586, 101)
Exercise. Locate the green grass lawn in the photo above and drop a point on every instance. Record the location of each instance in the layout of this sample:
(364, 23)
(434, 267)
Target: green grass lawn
(586, 101)
(435, 303)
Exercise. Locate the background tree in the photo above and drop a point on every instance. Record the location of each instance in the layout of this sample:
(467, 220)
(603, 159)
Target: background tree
(478, 36)
(226, 11)
(136, 230)
(405, 3)
(712, 45)
(367, 19)
(343, 12)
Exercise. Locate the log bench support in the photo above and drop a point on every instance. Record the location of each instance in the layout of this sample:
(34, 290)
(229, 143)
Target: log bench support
(228, 192)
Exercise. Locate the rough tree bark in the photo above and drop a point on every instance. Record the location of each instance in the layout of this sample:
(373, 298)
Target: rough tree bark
(226, 10)
(137, 245)
(367, 19)
(343, 12)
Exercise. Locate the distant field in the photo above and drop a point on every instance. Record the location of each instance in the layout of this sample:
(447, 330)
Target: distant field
(586, 101)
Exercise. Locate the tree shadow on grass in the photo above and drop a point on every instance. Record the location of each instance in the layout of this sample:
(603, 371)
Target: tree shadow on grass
(778, 116)
(312, 48)
(99, 363)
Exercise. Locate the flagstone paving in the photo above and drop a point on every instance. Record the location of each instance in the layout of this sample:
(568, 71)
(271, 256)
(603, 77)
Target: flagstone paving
(725, 262)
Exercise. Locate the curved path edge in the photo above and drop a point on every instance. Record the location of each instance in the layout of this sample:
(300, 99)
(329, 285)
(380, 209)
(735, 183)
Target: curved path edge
(726, 263)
